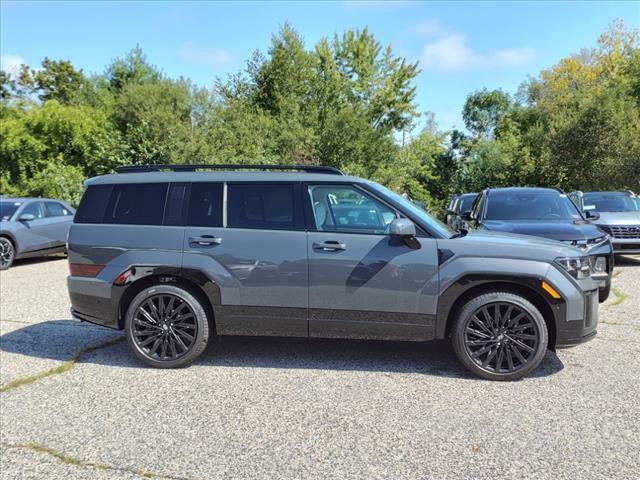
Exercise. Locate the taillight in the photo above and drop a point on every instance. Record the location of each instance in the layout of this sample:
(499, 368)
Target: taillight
(84, 269)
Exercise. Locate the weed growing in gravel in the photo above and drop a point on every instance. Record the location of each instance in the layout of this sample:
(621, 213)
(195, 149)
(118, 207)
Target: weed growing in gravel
(65, 367)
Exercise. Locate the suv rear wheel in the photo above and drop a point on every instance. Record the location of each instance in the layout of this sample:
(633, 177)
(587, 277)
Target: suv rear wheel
(500, 336)
(167, 326)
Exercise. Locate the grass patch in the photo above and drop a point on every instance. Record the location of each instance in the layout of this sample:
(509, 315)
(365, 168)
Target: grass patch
(620, 294)
(65, 367)
(62, 457)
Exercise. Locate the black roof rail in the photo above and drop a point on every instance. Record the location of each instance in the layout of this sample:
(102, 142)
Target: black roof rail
(156, 167)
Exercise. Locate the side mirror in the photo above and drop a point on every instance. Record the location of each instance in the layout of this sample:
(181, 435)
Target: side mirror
(26, 217)
(466, 216)
(591, 215)
(402, 228)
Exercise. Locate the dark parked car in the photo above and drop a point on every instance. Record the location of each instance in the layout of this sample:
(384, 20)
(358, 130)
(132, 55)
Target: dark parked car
(549, 213)
(458, 205)
(174, 257)
(32, 227)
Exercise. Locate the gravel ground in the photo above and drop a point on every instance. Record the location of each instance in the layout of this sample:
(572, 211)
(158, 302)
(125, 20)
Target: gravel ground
(283, 408)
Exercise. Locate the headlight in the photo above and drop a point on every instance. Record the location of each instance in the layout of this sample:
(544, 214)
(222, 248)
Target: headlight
(578, 267)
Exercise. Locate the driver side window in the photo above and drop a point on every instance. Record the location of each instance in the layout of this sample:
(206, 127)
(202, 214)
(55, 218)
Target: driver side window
(344, 208)
(36, 209)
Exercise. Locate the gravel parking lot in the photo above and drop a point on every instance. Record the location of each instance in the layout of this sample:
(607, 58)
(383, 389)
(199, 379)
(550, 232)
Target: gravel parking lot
(75, 403)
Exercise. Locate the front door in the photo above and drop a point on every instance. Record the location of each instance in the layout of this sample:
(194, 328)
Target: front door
(35, 234)
(256, 251)
(362, 282)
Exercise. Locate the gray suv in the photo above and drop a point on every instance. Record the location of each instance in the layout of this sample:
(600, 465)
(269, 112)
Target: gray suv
(176, 254)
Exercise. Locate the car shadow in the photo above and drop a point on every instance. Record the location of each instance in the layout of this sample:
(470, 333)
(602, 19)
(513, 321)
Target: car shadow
(62, 339)
(627, 261)
(31, 260)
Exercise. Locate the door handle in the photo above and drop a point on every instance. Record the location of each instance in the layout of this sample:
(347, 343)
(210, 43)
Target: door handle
(330, 246)
(205, 240)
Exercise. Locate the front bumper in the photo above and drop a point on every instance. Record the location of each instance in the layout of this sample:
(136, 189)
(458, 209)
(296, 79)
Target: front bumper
(575, 332)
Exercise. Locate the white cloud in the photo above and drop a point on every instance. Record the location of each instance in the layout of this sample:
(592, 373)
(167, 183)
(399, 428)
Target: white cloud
(11, 63)
(450, 51)
(212, 58)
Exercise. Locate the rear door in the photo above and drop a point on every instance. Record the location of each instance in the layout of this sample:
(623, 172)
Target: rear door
(362, 282)
(256, 251)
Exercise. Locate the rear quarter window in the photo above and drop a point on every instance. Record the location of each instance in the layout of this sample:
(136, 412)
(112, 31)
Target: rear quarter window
(93, 204)
(137, 204)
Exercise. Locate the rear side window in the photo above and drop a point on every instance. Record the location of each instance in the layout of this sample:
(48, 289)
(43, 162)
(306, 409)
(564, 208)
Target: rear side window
(205, 205)
(55, 209)
(93, 204)
(137, 204)
(268, 206)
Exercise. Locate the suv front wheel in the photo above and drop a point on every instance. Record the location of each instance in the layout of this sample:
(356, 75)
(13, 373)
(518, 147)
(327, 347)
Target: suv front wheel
(500, 336)
(167, 326)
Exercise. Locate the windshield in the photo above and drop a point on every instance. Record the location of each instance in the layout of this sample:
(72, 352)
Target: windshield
(466, 203)
(531, 206)
(442, 229)
(7, 209)
(607, 202)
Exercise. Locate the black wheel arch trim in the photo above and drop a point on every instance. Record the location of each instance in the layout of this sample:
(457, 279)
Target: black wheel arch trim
(140, 279)
(451, 299)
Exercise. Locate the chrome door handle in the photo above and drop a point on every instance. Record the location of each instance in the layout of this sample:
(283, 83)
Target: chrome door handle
(330, 246)
(205, 240)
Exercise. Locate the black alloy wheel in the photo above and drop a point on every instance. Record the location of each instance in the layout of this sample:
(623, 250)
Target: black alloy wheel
(500, 336)
(167, 326)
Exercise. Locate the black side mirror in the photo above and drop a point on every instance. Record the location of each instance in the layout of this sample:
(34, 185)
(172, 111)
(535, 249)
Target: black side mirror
(466, 216)
(591, 215)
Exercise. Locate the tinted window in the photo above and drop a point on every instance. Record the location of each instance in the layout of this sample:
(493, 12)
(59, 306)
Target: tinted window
(7, 209)
(93, 204)
(36, 209)
(466, 203)
(137, 204)
(530, 206)
(341, 208)
(261, 206)
(55, 209)
(205, 205)
(176, 204)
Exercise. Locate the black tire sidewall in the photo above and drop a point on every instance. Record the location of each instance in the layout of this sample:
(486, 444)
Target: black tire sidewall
(604, 292)
(457, 334)
(202, 334)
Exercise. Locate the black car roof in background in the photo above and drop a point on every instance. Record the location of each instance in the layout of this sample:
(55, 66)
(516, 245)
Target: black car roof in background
(539, 190)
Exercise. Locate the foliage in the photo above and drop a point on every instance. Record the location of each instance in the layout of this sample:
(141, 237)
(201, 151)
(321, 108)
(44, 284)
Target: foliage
(345, 102)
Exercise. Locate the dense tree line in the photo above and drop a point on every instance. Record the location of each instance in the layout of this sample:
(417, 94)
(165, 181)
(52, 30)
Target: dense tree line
(346, 102)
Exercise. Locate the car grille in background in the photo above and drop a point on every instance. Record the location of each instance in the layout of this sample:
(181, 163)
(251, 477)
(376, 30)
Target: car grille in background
(624, 231)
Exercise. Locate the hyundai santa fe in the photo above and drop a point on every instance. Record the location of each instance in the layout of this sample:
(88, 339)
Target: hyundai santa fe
(177, 254)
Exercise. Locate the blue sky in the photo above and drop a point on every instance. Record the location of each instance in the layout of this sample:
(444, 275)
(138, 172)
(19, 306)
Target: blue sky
(461, 46)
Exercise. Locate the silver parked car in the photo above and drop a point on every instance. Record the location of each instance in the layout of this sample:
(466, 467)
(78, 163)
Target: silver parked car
(32, 227)
(619, 217)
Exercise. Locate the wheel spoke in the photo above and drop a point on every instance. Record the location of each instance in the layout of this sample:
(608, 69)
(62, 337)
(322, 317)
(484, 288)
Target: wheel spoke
(518, 354)
(492, 353)
(500, 358)
(148, 340)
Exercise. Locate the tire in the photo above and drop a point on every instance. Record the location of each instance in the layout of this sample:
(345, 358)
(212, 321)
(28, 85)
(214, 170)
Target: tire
(167, 326)
(497, 349)
(603, 292)
(7, 253)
